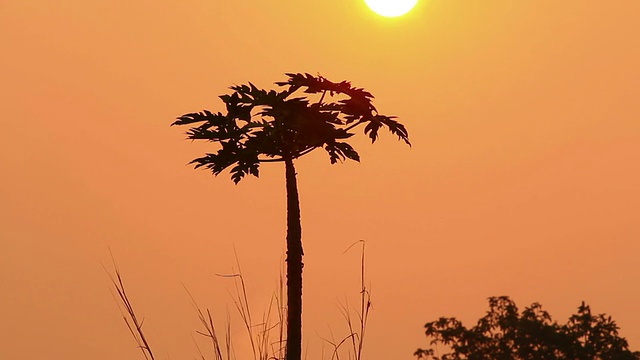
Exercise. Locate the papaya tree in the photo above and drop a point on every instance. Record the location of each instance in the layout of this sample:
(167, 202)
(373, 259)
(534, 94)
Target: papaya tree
(261, 126)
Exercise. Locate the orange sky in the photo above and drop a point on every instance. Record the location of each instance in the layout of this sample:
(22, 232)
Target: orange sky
(523, 179)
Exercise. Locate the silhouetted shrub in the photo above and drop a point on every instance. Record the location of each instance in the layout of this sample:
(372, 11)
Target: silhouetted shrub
(507, 334)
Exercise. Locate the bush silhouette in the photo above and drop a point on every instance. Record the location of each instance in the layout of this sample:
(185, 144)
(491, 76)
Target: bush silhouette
(507, 334)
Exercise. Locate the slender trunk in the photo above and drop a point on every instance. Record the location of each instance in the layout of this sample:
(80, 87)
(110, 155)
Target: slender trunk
(294, 266)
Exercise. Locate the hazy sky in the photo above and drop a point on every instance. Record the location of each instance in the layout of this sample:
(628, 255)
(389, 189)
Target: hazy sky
(523, 178)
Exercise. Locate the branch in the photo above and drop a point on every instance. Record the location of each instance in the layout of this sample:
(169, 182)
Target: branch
(281, 159)
(354, 125)
(271, 160)
(322, 97)
(305, 152)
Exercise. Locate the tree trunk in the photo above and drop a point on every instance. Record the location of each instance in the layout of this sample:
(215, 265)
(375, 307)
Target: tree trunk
(294, 266)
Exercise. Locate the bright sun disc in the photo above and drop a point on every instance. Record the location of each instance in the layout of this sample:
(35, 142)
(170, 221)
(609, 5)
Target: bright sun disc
(391, 8)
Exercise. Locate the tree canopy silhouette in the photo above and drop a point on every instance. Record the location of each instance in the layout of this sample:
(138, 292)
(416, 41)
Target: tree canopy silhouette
(507, 334)
(275, 126)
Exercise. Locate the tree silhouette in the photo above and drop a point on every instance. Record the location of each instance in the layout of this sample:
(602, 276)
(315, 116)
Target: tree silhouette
(275, 126)
(506, 334)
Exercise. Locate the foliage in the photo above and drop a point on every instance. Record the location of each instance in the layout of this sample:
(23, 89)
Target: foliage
(506, 334)
(266, 126)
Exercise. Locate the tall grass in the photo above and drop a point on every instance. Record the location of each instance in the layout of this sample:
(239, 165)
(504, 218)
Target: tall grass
(356, 328)
(128, 314)
(267, 337)
(260, 335)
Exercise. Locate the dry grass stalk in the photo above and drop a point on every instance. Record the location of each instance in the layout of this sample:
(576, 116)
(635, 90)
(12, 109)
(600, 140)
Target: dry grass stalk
(356, 331)
(128, 314)
(262, 347)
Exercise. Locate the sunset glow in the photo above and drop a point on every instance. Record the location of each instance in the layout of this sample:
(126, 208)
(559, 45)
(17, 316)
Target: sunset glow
(522, 178)
(391, 8)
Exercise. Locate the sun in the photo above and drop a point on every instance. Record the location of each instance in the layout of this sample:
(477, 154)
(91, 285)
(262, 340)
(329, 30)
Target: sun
(391, 8)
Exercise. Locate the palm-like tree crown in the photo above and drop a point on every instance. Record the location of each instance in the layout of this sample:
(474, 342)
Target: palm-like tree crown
(267, 126)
